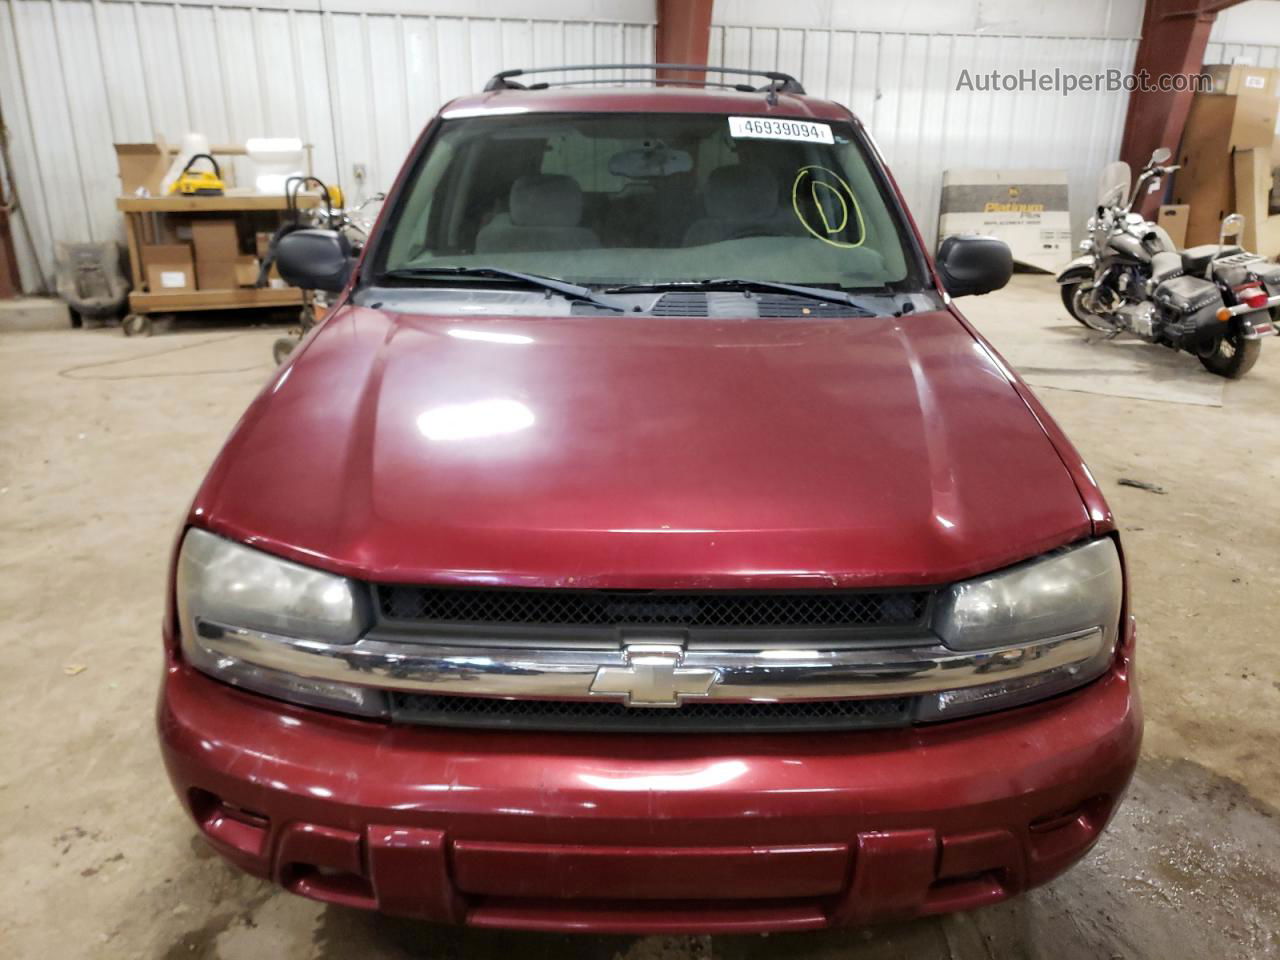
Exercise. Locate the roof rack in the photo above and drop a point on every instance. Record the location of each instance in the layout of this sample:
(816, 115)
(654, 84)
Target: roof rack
(778, 82)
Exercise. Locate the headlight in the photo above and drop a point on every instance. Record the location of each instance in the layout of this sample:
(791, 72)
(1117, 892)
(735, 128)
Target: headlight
(225, 588)
(1072, 595)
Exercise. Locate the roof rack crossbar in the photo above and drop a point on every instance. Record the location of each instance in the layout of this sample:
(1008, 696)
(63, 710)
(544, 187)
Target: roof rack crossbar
(607, 81)
(779, 82)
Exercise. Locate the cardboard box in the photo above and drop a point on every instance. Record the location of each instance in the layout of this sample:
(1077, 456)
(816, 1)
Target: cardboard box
(246, 271)
(168, 267)
(1242, 78)
(1269, 238)
(215, 239)
(1216, 126)
(1173, 218)
(1230, 122)
(1027, 209)
(1210, 198)
(141, 166)
(1253, 185)
(216, 275)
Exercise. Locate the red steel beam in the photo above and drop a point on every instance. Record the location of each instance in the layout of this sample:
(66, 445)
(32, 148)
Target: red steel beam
(10, 284)
(1174, 36)
(683, 35)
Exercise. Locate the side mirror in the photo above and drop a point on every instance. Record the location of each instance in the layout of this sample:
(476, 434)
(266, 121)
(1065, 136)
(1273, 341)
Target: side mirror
(974, 265)
(315, 259)
(1160, 155)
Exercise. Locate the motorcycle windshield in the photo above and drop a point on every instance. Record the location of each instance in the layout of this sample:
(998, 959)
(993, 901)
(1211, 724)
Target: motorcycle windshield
(1113, 184)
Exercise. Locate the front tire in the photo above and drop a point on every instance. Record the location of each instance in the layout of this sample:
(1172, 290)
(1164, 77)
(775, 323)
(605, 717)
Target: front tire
(1073, 299)
(1232, 356)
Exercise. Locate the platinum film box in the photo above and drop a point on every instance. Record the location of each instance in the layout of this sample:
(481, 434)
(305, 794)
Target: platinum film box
(1027, 209)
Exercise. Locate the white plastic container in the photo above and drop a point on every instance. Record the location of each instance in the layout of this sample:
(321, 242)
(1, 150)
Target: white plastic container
(274, 160)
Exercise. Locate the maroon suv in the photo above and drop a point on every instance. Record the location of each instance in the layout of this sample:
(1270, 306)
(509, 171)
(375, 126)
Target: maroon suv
(644, 542)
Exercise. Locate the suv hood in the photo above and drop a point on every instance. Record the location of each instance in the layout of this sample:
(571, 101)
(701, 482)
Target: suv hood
(644, 452)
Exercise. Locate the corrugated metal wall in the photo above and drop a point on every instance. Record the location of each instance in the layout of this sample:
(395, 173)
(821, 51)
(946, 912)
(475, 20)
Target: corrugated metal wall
(1256, 54)
(77, 76)
(903, 87)
(1237, 30)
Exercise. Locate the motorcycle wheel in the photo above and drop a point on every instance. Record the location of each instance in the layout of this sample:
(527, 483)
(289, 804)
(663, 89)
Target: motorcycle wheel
(137, 325)
(281, 349)
(1073, 300)
(1231, 356)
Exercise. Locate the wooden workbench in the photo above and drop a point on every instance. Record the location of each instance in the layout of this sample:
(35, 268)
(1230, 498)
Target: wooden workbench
(141, 226)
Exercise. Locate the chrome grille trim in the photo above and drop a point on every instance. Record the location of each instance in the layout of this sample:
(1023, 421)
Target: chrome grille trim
(767, 675)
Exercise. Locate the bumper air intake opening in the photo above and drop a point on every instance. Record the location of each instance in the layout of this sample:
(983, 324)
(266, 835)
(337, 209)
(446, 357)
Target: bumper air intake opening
(654, 918)
(328, 884)
(966, 892)
(229, 825)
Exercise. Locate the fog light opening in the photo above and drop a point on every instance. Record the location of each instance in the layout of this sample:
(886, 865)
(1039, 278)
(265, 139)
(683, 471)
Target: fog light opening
(1083, 814)
(229, 824)
(1065, 835)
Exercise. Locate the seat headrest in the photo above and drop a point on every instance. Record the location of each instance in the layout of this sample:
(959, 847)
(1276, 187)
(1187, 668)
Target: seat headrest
(742, 192)
(546, 200)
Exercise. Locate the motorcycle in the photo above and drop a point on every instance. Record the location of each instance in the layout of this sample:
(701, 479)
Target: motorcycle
(355, 223)
(1216, 301)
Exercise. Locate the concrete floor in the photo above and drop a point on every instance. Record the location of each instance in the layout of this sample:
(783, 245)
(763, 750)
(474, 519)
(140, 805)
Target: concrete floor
(102, 443)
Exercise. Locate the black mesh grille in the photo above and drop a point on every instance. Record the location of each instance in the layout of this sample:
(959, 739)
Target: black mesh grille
(691, 717)
(604, 608)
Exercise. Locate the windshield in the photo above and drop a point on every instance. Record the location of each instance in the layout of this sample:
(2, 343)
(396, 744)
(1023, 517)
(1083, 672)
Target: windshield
(1113, 184)
(611, 199)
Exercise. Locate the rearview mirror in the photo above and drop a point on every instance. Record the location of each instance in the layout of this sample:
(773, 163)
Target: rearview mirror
(653, 159)
(1160, 155)
(974, 265)
(315, 260)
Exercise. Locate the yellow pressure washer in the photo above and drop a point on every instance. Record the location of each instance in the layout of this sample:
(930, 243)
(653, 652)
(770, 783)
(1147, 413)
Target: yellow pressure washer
(199, 183)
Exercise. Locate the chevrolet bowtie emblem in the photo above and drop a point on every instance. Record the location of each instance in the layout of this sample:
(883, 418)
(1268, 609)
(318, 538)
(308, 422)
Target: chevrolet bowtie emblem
(653, 677)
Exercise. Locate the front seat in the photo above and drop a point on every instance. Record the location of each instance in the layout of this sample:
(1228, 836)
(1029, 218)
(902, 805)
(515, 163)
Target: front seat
(544, 211)
(741, 200)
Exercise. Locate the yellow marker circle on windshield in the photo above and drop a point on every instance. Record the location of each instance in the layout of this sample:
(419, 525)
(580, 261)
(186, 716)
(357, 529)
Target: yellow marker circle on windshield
(832, 199)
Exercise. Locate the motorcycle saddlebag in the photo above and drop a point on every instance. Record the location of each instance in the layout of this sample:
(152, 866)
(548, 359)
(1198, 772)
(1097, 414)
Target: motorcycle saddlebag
(1190, 306)
(1269, 274)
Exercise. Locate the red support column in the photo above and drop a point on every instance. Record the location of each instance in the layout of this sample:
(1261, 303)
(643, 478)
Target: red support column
(684, 34)
(1174, 36)
(10, 285)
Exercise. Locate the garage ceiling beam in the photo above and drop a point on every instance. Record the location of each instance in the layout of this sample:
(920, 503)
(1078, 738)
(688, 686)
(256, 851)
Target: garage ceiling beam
(683, 35)
(1174, 36)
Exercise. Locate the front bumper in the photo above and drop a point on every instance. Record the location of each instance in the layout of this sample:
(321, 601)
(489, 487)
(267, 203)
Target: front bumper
(645, 833)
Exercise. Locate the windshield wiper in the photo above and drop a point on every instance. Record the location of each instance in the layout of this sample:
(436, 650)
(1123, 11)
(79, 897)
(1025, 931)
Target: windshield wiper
(743, 283)
(553, 284)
